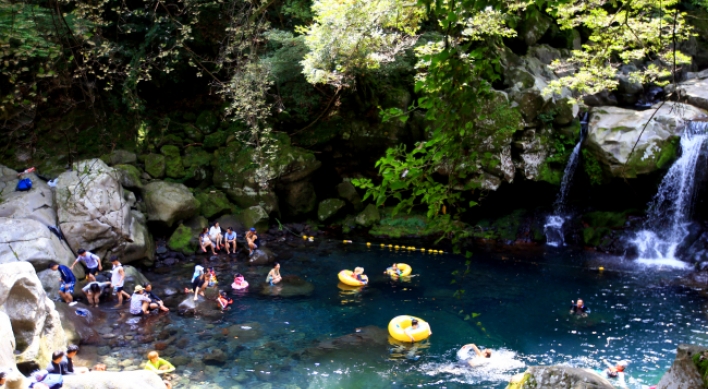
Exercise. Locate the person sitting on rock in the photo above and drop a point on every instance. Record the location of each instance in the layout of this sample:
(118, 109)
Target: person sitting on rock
(118, 280)
(205, 242)
(154, 299)
(252, 240)
(479, 357)
(230, 241)
(92, 262)
(160, 366)
(224, 300)
(67, 279)
(68, 361)
(41, 379)
(360, 276)
(578, 308)
(199, 282)
(215, 235)
(140, 303)
(274, 275)
(57, 366)
(93, 291)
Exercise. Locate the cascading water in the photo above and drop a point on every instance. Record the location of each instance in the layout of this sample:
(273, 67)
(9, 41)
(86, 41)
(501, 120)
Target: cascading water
(554, 223)
(670, 211)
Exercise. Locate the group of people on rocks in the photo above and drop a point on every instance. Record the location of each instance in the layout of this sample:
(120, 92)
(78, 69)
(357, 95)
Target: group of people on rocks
(213, 239)
(62, 364)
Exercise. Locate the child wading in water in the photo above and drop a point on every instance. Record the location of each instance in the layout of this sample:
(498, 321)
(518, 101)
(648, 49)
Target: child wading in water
(224, 301)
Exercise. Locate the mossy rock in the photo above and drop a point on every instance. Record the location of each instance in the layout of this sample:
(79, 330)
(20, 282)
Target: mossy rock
(256, 217)
(173, 161)
(155, 165)
(215, 140)
(347, 191)
(369, 216)
(606, 219)
(328, 208)
(207, 122)
(507, 227)
(193, 133)
(172, 139)
(130, 176)
(119, 157)
(213, 204)
(182, 240)
(196, 156)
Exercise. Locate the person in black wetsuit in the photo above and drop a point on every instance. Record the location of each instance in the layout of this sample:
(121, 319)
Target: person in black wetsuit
(578, 308)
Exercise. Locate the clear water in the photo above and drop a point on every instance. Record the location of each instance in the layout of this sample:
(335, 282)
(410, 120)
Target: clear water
(519, 301)
(670, 211)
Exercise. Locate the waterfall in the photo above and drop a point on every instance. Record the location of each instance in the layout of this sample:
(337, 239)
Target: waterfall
(670, 211)
(554, 223)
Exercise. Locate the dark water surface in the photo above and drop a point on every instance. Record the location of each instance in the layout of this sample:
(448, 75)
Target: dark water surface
(515, 303)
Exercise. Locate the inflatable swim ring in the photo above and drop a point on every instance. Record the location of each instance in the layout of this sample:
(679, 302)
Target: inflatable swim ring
(348, 288)
(403, 267)
(243, 285)
(347, 277)
(398, 325)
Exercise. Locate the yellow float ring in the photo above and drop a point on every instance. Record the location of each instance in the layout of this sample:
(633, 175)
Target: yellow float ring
(405, 269)
(347, 278)
(398, 325)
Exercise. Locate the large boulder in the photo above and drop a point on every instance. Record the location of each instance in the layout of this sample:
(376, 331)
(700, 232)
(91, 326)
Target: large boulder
(31, 241)
(329, 208)
(155, 165)
(298, 198)
(36, 204)
(94, 213)
(347, 191)
(114, 380)
(173, 161)
(558, 377)
(118, 157)
(35, 322)
(130, 176)
(695, 92)
(213, 203)
(684, 373)
(81, 329)
(185, 237)
(369, 216)
(247, 183)
(168, 202)
(613, 133)
(7, 343)
(256, 217)
(534, 147)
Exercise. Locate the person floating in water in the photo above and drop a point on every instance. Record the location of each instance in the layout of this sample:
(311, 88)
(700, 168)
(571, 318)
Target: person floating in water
(224, 300)
(578, 308)
(394, 271)
(274, 275)
(360, 276)
(616, 371)
(415, 326)
(479, 358)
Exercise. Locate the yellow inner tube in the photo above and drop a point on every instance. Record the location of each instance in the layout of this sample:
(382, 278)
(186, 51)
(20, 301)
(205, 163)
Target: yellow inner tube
(404, 268)
(347, 277)
(398, 325)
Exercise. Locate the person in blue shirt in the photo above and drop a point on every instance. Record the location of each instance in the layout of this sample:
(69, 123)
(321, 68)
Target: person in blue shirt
(230, 241)
(92, 262)
(68, 280)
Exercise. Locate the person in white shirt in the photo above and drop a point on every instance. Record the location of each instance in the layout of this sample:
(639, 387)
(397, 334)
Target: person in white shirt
(140, 304)
(92, 262)
(215, 235)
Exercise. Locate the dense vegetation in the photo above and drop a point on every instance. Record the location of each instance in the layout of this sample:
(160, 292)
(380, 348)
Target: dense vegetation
(295, 66)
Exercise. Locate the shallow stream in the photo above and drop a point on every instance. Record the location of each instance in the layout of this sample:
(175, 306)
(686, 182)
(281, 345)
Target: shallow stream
(513, 302)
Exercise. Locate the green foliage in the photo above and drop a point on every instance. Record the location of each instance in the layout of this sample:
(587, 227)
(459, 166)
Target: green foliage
(626, 32)
(701, 362)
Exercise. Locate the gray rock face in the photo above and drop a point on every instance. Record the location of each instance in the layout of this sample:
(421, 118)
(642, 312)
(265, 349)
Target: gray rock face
(35, 322)
(613, 131)
(534, 147)
(695, 92)
(31, 241)
(169, 202)
(7, 342)
(142, 379)
(36, 204)
(347, 191)
(683, 374)
(558, 377)
(95, 212)
(256, 217)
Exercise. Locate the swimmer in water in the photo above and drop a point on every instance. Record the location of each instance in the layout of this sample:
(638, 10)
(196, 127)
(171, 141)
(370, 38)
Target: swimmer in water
(393, 271)
(480, 356)
(360, 276)
(578, 308)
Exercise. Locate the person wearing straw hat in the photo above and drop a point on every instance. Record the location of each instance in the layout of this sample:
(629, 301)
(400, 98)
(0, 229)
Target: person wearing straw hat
(139, 302)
